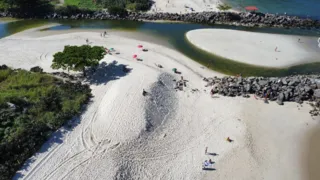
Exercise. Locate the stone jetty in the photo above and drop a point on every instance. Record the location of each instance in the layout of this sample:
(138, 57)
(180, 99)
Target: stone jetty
(233, 18)
(297, 88)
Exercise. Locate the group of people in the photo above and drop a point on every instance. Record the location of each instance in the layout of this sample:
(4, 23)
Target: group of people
(207, 163)
(103, 34)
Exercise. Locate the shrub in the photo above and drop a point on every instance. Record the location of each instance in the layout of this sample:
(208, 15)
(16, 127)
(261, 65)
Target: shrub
(142, 7)
(224, 7)
(115, 10)
(36, 69)
(131, 6)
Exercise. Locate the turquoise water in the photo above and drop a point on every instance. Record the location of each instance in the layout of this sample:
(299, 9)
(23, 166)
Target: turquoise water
(303, 8)
(174, 34)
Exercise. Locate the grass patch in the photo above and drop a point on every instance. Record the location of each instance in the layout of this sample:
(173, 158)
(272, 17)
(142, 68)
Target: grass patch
(84, 4)
(224, 7)
(32, 107)
(8, 19)
(54, 2)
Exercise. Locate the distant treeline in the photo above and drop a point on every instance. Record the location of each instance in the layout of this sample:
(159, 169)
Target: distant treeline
(133, 5)
(34, 8)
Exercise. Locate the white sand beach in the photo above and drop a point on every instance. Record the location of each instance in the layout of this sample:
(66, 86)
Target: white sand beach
(261, 49)
(124, 135)
(179, 6)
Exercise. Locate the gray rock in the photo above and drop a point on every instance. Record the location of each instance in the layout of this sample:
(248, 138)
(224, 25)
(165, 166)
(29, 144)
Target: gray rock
(294, 81)
(263, 82)
(281, 97)
(317, 81)
(307, 89)
(284, 81)
(247, 87)
(279, 102)
(316, 93)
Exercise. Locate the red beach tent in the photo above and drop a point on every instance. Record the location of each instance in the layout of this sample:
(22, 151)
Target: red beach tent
(251, 8)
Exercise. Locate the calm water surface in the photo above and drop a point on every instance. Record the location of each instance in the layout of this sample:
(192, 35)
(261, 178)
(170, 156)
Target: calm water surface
(175, 35)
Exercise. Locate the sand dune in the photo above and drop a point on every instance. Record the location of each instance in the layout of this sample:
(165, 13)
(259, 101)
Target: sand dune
(124, 135)
(271, 50)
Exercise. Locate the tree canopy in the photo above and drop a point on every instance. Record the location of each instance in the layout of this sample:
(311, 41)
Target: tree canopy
(29, 7)
(134, 5)
(77, 58)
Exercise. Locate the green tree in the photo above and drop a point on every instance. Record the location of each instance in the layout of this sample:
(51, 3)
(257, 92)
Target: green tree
(77, 58)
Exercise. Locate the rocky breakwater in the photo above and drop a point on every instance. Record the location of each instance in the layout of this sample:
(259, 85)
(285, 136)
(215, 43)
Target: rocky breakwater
(291, 89)
(243, 19)
(234, 18)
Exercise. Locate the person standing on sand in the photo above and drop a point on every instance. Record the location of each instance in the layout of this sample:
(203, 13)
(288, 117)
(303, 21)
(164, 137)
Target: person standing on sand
(276, 49)
(205, 152)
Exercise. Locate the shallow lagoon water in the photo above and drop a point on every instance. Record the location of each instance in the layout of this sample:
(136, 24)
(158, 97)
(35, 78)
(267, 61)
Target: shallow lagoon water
(174, 35)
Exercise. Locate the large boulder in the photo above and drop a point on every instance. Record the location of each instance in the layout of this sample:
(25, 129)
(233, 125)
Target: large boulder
(280, 98)
(36, 69)
(316, 93)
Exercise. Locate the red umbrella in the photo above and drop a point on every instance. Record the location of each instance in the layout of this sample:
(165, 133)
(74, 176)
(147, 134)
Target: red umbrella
(251, 8)
(135, 56)
(140, 46)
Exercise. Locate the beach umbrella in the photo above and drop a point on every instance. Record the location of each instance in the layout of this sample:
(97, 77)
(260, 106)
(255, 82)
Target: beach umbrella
(140, 46)
(251, 8)
(135, 56)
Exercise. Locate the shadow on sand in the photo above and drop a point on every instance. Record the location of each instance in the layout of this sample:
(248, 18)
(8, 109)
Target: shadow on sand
(106, 72)
(208, 169)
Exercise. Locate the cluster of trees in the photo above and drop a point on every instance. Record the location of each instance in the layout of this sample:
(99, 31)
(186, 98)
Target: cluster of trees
(133, 5)
(33, 8)
(28, 7)
(33, 105)
(77, 58)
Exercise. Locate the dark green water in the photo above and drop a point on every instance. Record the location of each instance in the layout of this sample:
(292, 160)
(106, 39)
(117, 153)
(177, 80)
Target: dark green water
(175, 35)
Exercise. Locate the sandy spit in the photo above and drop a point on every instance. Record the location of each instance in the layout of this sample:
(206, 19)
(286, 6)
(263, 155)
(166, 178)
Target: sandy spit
(261, 49)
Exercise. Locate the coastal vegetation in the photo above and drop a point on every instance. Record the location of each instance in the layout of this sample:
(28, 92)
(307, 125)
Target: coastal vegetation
(77, 58)
(43, 7)
(224, 7)
(33, 105)
(27, 7)
(83, 4)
